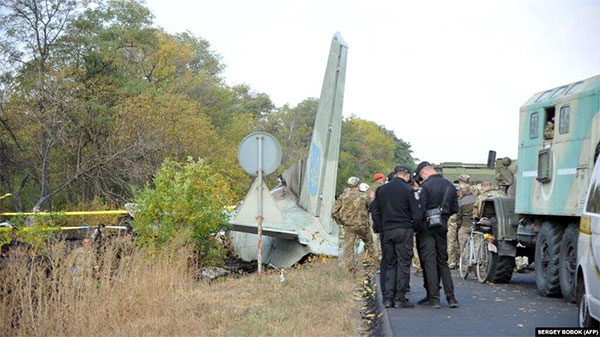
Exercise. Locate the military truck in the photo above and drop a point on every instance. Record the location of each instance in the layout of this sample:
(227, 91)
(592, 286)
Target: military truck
(451, 170)
(559, 139)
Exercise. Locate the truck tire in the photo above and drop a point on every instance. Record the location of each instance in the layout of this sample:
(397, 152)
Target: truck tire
(547, 258)
(501, 268)
(568, 263)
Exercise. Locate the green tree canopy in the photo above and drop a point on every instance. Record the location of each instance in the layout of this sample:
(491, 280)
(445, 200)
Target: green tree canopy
(94, 98)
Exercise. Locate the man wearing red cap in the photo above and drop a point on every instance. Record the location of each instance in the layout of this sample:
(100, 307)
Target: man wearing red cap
(378, 181)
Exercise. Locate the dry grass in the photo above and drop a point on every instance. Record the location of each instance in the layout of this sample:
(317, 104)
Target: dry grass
(139, 296)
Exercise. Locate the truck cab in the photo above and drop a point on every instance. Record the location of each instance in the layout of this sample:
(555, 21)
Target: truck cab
(559, 141)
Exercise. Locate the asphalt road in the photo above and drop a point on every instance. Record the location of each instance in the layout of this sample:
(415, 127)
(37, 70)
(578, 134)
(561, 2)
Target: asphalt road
(513, 309)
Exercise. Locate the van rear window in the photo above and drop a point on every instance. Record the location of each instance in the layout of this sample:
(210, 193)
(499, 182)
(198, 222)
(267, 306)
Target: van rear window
(593, 203)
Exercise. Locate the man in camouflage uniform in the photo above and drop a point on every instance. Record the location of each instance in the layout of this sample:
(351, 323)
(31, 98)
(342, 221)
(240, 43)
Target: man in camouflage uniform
(549, 129)
(350, 211)
(464, 179)
(378, 180)
(416, 263)
(487, 190)
(453, 252)
(465, 213)
(83, 264)
(476, 188)
(453, 227)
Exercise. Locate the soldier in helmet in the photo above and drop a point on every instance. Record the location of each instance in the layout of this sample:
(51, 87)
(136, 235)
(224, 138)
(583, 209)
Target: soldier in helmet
(487, 190)
(464, 179)
(350, 211)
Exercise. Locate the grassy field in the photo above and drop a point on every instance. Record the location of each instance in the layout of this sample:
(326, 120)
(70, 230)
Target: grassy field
(138, 296)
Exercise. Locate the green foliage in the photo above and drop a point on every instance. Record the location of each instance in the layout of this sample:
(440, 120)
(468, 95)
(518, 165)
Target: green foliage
(91, 112)
(123, 95)
(185, 205)
(293, 129)
(367, 148)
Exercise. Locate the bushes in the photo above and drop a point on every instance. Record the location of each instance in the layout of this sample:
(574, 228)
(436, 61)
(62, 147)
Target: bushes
(186, 206)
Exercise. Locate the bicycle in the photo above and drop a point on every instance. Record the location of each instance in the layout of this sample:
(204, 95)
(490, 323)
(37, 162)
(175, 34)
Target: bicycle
(484, 258)
(476, 252)
(468, 256)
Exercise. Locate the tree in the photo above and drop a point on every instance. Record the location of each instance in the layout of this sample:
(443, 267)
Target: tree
(403, 151)
(31, 29)
(186, 204)
(367, 148)
(293, 129)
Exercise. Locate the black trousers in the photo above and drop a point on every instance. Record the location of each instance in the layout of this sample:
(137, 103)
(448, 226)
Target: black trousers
(434, 261)
(398, 249)
(383, 265)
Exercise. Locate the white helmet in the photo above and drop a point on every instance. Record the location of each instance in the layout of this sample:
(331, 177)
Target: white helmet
(363, 187)
(353, 181)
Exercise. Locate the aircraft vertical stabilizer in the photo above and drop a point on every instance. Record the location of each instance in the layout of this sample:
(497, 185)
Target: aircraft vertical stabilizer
(318, 188)
(307, 193)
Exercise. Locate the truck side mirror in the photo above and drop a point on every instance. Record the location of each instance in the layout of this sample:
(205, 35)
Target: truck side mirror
(491, 162)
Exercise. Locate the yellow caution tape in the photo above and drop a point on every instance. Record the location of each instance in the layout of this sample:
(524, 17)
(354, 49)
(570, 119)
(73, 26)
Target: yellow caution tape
(29, 229)
(113, 212)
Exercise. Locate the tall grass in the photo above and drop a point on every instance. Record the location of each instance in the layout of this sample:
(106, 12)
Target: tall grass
(159, 295)
(43, 296)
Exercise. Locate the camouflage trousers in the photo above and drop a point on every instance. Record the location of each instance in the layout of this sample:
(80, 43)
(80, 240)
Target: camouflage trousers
(453, 242)
(415, 261)
(376, 241)
(349, 240)
(463, 236)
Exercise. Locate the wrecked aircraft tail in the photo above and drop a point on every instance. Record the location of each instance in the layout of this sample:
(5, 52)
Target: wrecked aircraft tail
(318, 189)
(308, 190)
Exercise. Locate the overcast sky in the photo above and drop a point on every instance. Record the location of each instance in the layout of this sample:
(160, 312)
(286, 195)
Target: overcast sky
(448, 76)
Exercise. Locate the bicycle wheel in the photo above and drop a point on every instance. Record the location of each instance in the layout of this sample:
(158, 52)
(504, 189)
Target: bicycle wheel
(464, 263)
(484, 261)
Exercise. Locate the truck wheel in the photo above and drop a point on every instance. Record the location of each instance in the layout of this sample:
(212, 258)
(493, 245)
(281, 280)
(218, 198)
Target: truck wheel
(547, 257)
(568, 263)
(501, 268)
(585, 320)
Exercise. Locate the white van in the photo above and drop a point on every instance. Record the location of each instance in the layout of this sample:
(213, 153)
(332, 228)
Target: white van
(588, 256)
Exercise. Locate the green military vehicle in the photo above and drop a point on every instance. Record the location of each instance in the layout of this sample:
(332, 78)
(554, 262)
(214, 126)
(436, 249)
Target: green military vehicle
(477, 172)
(559, 139)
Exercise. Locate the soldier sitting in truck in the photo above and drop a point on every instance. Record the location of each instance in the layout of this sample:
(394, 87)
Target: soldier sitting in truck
(549, 129)
(487, 190)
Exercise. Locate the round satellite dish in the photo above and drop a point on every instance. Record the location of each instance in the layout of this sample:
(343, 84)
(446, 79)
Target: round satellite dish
(248, 153)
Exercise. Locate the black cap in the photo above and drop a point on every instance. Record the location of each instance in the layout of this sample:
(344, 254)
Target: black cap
(402, 169)
(421, 165)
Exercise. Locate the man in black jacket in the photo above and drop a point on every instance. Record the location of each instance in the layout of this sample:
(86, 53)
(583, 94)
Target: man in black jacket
(392, 211)
(437, 194)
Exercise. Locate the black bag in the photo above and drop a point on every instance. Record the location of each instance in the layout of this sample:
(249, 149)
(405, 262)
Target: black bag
(434, 215)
